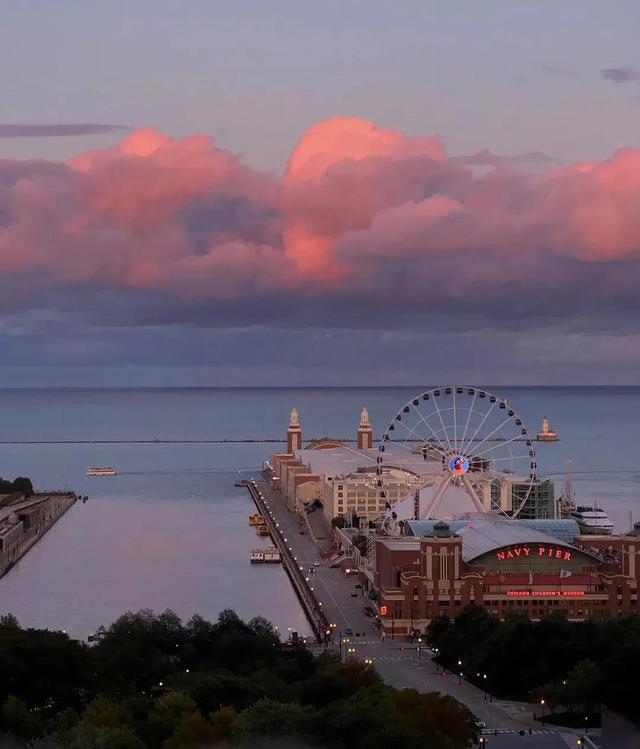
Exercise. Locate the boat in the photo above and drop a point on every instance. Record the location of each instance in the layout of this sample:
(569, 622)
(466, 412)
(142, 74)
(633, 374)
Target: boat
(271, 554)
(592, 520)
(102, 471)
(256, 520)
(257, 556)
(546, 433)
(262, 530)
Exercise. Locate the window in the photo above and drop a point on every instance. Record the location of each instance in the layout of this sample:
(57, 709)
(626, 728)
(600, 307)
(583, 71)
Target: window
(340, 494)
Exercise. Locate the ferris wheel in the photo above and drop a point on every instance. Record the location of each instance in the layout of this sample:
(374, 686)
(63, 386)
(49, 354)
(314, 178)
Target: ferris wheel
(460, 450)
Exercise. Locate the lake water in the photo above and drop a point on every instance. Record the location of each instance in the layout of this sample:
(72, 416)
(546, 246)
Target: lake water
(170, 530)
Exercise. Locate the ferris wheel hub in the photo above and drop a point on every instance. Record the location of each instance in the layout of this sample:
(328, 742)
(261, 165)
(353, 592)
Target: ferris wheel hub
(458, 465)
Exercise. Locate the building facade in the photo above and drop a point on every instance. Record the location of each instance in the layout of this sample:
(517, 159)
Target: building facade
(503, 566)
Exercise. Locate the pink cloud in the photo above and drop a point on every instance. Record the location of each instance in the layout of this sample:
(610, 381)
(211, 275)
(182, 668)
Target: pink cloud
(189, 219)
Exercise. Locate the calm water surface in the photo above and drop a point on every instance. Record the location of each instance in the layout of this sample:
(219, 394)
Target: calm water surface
(170, 531)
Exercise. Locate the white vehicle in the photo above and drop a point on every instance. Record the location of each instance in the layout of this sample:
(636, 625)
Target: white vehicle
(316, 564)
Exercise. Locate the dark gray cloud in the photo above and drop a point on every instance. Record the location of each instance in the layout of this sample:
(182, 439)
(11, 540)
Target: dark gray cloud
(621, 75)
(57, 131)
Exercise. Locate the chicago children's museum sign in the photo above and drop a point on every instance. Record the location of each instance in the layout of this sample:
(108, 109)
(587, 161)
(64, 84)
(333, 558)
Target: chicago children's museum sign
(534, 551)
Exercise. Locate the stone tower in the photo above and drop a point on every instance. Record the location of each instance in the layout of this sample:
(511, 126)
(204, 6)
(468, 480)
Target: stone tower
(294, 433)
(365, 433)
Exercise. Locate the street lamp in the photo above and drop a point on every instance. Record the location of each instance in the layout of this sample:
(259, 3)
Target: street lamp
(542, 702)
(460, 677)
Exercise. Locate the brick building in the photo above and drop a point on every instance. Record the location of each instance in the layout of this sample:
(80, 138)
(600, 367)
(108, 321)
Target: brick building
(504, 565)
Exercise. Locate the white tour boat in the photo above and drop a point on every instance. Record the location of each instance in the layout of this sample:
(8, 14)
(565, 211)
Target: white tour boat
(102, 471)
(592, 520)
(271, 554)
(257, 556)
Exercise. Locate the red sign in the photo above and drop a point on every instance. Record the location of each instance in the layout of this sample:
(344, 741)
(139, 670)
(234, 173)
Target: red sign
(383, 610)
(545, 593)
(548, 552)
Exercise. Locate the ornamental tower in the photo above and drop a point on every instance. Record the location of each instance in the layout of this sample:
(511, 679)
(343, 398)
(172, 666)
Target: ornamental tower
(294, 433)
(365, 433)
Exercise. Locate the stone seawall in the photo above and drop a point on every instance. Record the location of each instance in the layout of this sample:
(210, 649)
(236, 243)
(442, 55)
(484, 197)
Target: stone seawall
(24, 523)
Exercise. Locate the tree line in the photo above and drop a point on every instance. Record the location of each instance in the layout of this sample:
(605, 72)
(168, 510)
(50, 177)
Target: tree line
(152, 682)
(570, 664)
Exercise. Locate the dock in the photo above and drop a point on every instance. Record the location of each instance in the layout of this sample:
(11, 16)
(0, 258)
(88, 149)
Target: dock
(293, 566)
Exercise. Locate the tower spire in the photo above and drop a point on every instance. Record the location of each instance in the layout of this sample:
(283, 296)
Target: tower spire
(365, 433)
(294, 433)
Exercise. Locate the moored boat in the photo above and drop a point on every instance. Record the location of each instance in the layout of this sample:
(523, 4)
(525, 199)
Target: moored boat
(262, 530)
(256, 520)
(271, 554)
(592, 520)
(257, 556)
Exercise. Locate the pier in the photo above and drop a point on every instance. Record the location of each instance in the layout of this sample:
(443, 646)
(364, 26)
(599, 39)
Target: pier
(24, 521)
(292, 564)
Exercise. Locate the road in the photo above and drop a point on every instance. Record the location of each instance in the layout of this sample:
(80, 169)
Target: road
(398, 662)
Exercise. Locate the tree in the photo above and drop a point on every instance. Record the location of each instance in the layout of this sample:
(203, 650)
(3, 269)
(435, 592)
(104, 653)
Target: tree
(23, 484)
(16, 718)
(192, 730)
(338, 521)
(222, 722)
(9, 621)
(263, 627)
(271, 718)
(167, 713)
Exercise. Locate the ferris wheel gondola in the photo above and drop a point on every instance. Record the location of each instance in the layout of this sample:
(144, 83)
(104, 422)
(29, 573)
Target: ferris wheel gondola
(462, 449)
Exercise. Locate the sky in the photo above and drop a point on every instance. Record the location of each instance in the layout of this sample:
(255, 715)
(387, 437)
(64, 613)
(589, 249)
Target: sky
(341, 193)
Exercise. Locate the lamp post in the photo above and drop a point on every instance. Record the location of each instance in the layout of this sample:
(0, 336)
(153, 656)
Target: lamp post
(542, 702)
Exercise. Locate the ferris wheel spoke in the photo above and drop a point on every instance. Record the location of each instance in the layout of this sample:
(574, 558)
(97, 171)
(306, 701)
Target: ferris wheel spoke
(424, 420)
(439, 493)
(498, 428)
(455, 418)
(468, 486)
(444, 429)
(478, 428)
(510, 457)
(466, 426)
(421, 439)
(405, 446)
(517, 438)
